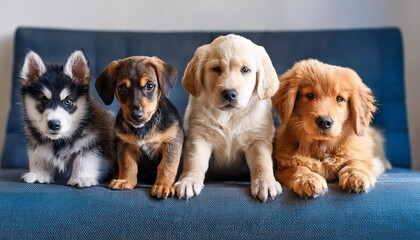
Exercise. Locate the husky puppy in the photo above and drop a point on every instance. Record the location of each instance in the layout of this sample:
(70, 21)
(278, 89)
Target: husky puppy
(66, 130)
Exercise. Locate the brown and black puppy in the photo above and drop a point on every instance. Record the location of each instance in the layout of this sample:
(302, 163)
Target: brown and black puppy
(148, 128)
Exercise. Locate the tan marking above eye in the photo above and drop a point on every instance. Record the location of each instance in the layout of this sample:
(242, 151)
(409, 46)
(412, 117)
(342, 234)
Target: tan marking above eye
(126, 82)
(63, 94)
(47, 93)
(147, 80)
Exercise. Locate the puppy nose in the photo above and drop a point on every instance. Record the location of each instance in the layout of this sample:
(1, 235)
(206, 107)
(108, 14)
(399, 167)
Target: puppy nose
(230, 95)
(54, 125)
(137, 114)
(324, 122)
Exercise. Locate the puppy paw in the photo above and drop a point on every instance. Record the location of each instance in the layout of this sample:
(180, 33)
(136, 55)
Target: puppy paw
(264, 187)
(32, 177)
(80, 182)
(309, 185)
(188, 187)
(121, 184)
(163, 190)
(356, 180)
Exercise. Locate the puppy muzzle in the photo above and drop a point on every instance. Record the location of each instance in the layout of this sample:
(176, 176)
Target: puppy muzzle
(230, 98)
(137, 115)
(54, 125)
(324, 122)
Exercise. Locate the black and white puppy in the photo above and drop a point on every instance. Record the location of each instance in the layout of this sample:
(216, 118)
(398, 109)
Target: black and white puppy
(66, 130)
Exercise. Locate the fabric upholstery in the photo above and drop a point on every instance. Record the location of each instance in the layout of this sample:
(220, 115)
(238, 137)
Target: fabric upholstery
(224, 210)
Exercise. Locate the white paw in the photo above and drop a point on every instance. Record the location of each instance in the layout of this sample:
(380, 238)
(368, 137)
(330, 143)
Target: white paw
(80, 182)
(264, 187)
(32, 177)
(188, 187)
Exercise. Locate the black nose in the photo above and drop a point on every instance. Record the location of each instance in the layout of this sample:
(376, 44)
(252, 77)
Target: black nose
(54, 125)
(230, 95)
(137, 114)
(324, 122)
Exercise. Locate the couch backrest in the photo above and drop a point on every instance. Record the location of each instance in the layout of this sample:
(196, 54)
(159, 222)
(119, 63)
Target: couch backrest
(376, 54)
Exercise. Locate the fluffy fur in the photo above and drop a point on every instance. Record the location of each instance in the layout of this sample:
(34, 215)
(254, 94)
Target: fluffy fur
(228, 118)
(325, 136)
(65, 128)
(148, 128)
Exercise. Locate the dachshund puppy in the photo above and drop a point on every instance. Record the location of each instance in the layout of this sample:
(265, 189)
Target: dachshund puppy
(148, 129)
(325, 135)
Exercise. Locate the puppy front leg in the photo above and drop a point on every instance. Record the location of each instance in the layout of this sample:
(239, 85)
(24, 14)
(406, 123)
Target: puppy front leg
(128, 157)
(167, 170)
(356, 176)
(88, 168)
(196, 162)
(263, 184)
(39, 170)
(303, 181)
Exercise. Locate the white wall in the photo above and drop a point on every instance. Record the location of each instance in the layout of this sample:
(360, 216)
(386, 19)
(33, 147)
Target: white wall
(160, 15)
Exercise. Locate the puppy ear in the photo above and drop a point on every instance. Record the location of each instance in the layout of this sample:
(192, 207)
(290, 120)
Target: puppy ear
(77, 68)
(362, 106)
(267, 79)
(105, 83)
(32, 69)
(167, 75)
(193, 73)
(285, 98)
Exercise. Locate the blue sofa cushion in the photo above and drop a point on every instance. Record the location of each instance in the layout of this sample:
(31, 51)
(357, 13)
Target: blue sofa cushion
(376, 54)
(224, 210)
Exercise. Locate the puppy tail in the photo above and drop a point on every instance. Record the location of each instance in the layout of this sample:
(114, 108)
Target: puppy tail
(380, 162)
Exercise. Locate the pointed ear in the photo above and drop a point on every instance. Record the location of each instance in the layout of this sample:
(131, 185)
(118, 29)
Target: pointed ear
(362, 106)
(77, 68)
(105, 83)
(267, 79)
(285, 98)
(32, 69)
(194, 72)
(166, 73)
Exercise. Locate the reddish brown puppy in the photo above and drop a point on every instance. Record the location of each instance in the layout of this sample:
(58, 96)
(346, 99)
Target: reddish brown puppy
(325, 136)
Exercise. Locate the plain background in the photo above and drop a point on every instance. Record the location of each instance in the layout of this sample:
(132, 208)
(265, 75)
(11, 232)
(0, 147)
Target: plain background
(228, 15)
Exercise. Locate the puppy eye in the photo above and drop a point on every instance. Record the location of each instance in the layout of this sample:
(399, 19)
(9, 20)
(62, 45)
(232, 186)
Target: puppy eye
(245, 70)
(68, 102)
(43, 100)
(150, 87)
(217, 69)
(339, 99)
(122, 89)
(310, 96)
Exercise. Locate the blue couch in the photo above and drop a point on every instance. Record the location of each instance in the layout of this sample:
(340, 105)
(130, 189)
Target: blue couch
(224, 209)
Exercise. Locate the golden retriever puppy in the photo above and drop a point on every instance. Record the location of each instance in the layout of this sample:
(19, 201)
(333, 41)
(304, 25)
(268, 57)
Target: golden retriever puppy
(228, 120)
(326, 111)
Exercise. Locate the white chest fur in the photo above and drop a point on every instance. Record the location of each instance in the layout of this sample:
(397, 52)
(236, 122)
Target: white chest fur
(230, 132)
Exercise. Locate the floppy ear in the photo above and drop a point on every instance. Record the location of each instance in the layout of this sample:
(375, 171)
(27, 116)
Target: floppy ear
(32, 69)
(362, 106)
(166, 75)
(285, 98)
(267, 79)
(105, 82)
(77, 68)
(194, 72)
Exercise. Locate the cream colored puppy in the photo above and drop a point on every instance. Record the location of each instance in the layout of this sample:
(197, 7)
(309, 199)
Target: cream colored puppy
(228, 119)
